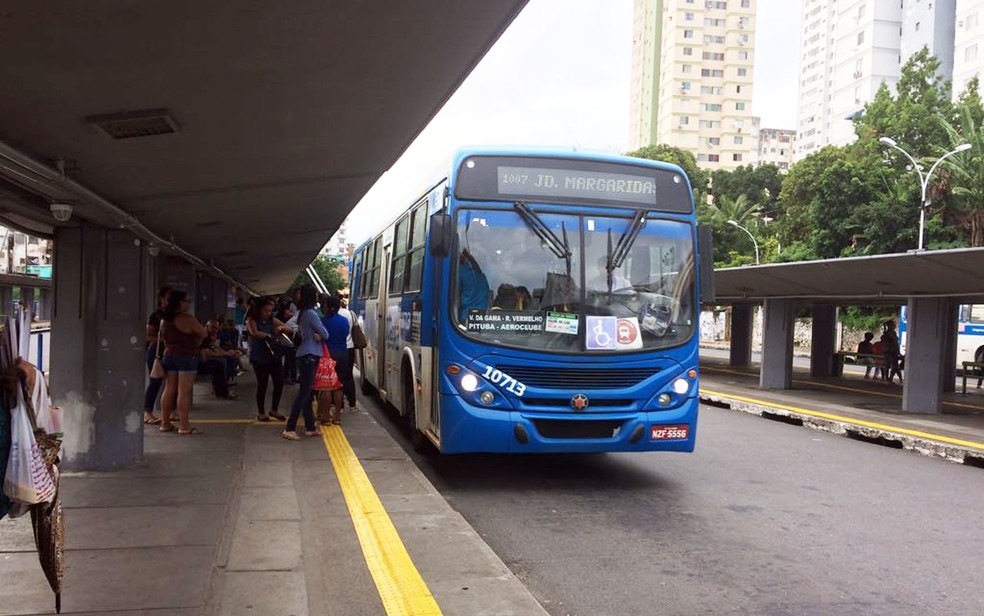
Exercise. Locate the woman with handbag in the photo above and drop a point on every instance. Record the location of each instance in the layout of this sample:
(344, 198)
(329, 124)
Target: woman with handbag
(312, 332)
(263, 327)
(182, 334)
(155, 348)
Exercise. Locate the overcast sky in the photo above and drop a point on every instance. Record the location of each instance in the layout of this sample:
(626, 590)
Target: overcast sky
(559, 76)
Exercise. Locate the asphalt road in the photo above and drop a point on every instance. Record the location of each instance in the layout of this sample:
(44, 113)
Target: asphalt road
(764, 519)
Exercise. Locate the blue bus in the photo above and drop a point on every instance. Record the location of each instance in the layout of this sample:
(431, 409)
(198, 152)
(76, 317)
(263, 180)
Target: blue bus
(534, 301)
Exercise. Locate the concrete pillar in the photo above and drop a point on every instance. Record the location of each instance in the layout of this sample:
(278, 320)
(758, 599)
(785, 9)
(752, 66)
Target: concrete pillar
(950, 354)
(777, 344)
(823, 338)
(97, 357)
(929, 326)
(45, 304)
(741, 334)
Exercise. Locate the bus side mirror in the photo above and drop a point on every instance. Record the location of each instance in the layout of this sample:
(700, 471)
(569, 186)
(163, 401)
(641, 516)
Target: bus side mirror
(705, 245)
(440, 234)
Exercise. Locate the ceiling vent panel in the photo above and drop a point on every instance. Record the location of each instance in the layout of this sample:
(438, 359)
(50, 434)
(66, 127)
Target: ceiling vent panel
(133, 124)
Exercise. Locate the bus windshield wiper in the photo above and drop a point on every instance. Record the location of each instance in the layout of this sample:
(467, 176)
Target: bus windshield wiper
(558, 246)
(615, 259)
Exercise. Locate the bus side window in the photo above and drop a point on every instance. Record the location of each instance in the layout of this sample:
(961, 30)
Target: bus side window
(977, 313)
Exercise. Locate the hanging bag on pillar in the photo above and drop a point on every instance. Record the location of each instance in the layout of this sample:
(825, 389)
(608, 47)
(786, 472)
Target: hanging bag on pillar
(28, 480)
(157, 371)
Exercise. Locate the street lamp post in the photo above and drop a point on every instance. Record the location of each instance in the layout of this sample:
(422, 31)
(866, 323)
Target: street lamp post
(924, 179)
(734, 223)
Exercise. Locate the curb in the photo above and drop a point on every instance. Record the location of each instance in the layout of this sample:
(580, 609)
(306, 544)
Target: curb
(879, 436)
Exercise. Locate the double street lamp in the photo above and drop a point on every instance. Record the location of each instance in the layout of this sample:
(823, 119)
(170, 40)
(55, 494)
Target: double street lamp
(923, 179)
(734, 223)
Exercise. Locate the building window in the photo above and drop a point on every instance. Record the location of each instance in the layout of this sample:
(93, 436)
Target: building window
(701, 158)
(688, 17)
(706, 72)
(710, 55)
(742, 72)
(710, 21)
(742, 55)
(736, 158)
(739, 140)
(971, 21)
(687, 68)
(917, 26)
(688, 34)
(971, 52)
(737, 89)
(685, 86)
(684, 120)
(713, 158)
(861, 37)
(710, 107)
(739, 106)
(688, 51)
(746, 4)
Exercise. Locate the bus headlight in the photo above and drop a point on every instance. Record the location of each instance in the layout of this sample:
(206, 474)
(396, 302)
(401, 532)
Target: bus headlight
(664, 399)
(469, 382)
(681, 386)
(487, 398)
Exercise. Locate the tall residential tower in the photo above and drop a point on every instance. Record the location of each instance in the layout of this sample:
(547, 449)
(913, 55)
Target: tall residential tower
(692, 65)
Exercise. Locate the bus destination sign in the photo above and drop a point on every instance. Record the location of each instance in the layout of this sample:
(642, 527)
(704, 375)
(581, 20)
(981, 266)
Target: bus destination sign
(576, 183)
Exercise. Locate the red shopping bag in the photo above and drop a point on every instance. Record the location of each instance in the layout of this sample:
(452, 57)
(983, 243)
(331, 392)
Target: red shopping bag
(326, 378)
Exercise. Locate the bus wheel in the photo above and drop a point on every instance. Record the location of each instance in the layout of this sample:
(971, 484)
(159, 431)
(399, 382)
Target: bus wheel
(421, 444)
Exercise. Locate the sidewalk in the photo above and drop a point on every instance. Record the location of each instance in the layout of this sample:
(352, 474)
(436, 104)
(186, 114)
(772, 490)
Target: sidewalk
(855, 407)
(240, 521)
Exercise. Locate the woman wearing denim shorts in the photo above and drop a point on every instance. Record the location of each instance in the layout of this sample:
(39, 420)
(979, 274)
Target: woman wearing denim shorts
(182, 334)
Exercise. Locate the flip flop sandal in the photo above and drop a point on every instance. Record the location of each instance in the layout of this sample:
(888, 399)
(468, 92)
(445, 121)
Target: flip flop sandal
(290, 436)
(190, 432)
(152, 421)
(278, 416)
(167, 428)
(312, 433)
(263, 418)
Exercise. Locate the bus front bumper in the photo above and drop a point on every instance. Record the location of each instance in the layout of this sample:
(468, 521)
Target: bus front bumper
(471, 429)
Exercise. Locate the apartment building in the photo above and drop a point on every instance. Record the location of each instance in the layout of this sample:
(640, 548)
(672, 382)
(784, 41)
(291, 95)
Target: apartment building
(968, 43)
(849, 49)
(776, 146)
(693, 63)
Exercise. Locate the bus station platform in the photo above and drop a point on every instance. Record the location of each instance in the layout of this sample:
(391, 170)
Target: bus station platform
(850, 405)
(240, 521)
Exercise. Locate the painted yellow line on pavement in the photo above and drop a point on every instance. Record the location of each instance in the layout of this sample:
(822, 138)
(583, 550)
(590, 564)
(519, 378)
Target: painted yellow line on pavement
(239, 422)
(883, 394)
(401, 588)
(850, 420)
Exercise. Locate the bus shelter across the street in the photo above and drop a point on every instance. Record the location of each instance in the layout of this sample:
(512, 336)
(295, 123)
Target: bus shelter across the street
(931, 284)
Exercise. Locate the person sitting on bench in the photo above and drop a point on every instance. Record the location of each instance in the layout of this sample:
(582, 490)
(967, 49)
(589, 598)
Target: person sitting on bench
(866, 347)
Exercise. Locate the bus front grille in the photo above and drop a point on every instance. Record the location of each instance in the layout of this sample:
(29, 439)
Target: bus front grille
(578, 378)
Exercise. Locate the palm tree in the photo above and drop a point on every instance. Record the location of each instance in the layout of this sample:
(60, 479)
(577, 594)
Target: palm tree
(740, 210)
(966, 175)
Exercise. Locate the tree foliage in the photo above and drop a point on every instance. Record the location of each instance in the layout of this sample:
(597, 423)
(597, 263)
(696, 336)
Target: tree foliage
(328, 270)
(683, 158)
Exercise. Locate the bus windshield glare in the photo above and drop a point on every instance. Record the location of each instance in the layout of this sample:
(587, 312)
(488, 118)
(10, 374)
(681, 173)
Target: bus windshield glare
(549, 281)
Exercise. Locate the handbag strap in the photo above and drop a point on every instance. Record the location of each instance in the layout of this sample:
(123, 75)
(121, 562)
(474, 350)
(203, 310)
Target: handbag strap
(159, 354)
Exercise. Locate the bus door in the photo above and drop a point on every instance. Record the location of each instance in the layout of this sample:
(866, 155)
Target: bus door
(383, 323)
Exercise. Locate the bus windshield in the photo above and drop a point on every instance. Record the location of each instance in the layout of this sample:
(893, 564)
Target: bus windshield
(550, 281)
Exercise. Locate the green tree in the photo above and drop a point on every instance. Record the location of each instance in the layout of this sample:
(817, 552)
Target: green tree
(911, 116)
(964, 172)
(683, 158)
(328, 270)
(760, 185)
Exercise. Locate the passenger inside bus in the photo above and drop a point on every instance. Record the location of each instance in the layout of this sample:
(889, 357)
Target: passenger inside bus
(473, 286)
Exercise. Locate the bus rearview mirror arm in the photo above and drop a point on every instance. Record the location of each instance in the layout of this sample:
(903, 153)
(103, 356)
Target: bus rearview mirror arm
(705, 246)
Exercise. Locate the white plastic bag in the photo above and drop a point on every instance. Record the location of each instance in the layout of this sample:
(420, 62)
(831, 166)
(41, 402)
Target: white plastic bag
(47, 416)
(28, 480)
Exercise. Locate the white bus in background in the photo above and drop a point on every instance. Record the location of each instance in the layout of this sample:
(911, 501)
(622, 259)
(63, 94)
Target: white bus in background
(970, 331)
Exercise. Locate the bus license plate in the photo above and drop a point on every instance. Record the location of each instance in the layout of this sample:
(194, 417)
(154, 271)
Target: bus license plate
(670, 433)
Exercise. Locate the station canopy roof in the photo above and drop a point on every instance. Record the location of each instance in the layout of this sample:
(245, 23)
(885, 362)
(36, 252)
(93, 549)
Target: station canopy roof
(242, 131)
(891, 278)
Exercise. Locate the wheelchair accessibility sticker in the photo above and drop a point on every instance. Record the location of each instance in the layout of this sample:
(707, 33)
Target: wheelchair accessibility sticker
(612, 333)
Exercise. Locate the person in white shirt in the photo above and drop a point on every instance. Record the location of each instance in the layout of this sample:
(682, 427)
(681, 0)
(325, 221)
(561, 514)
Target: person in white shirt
(349, 388)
